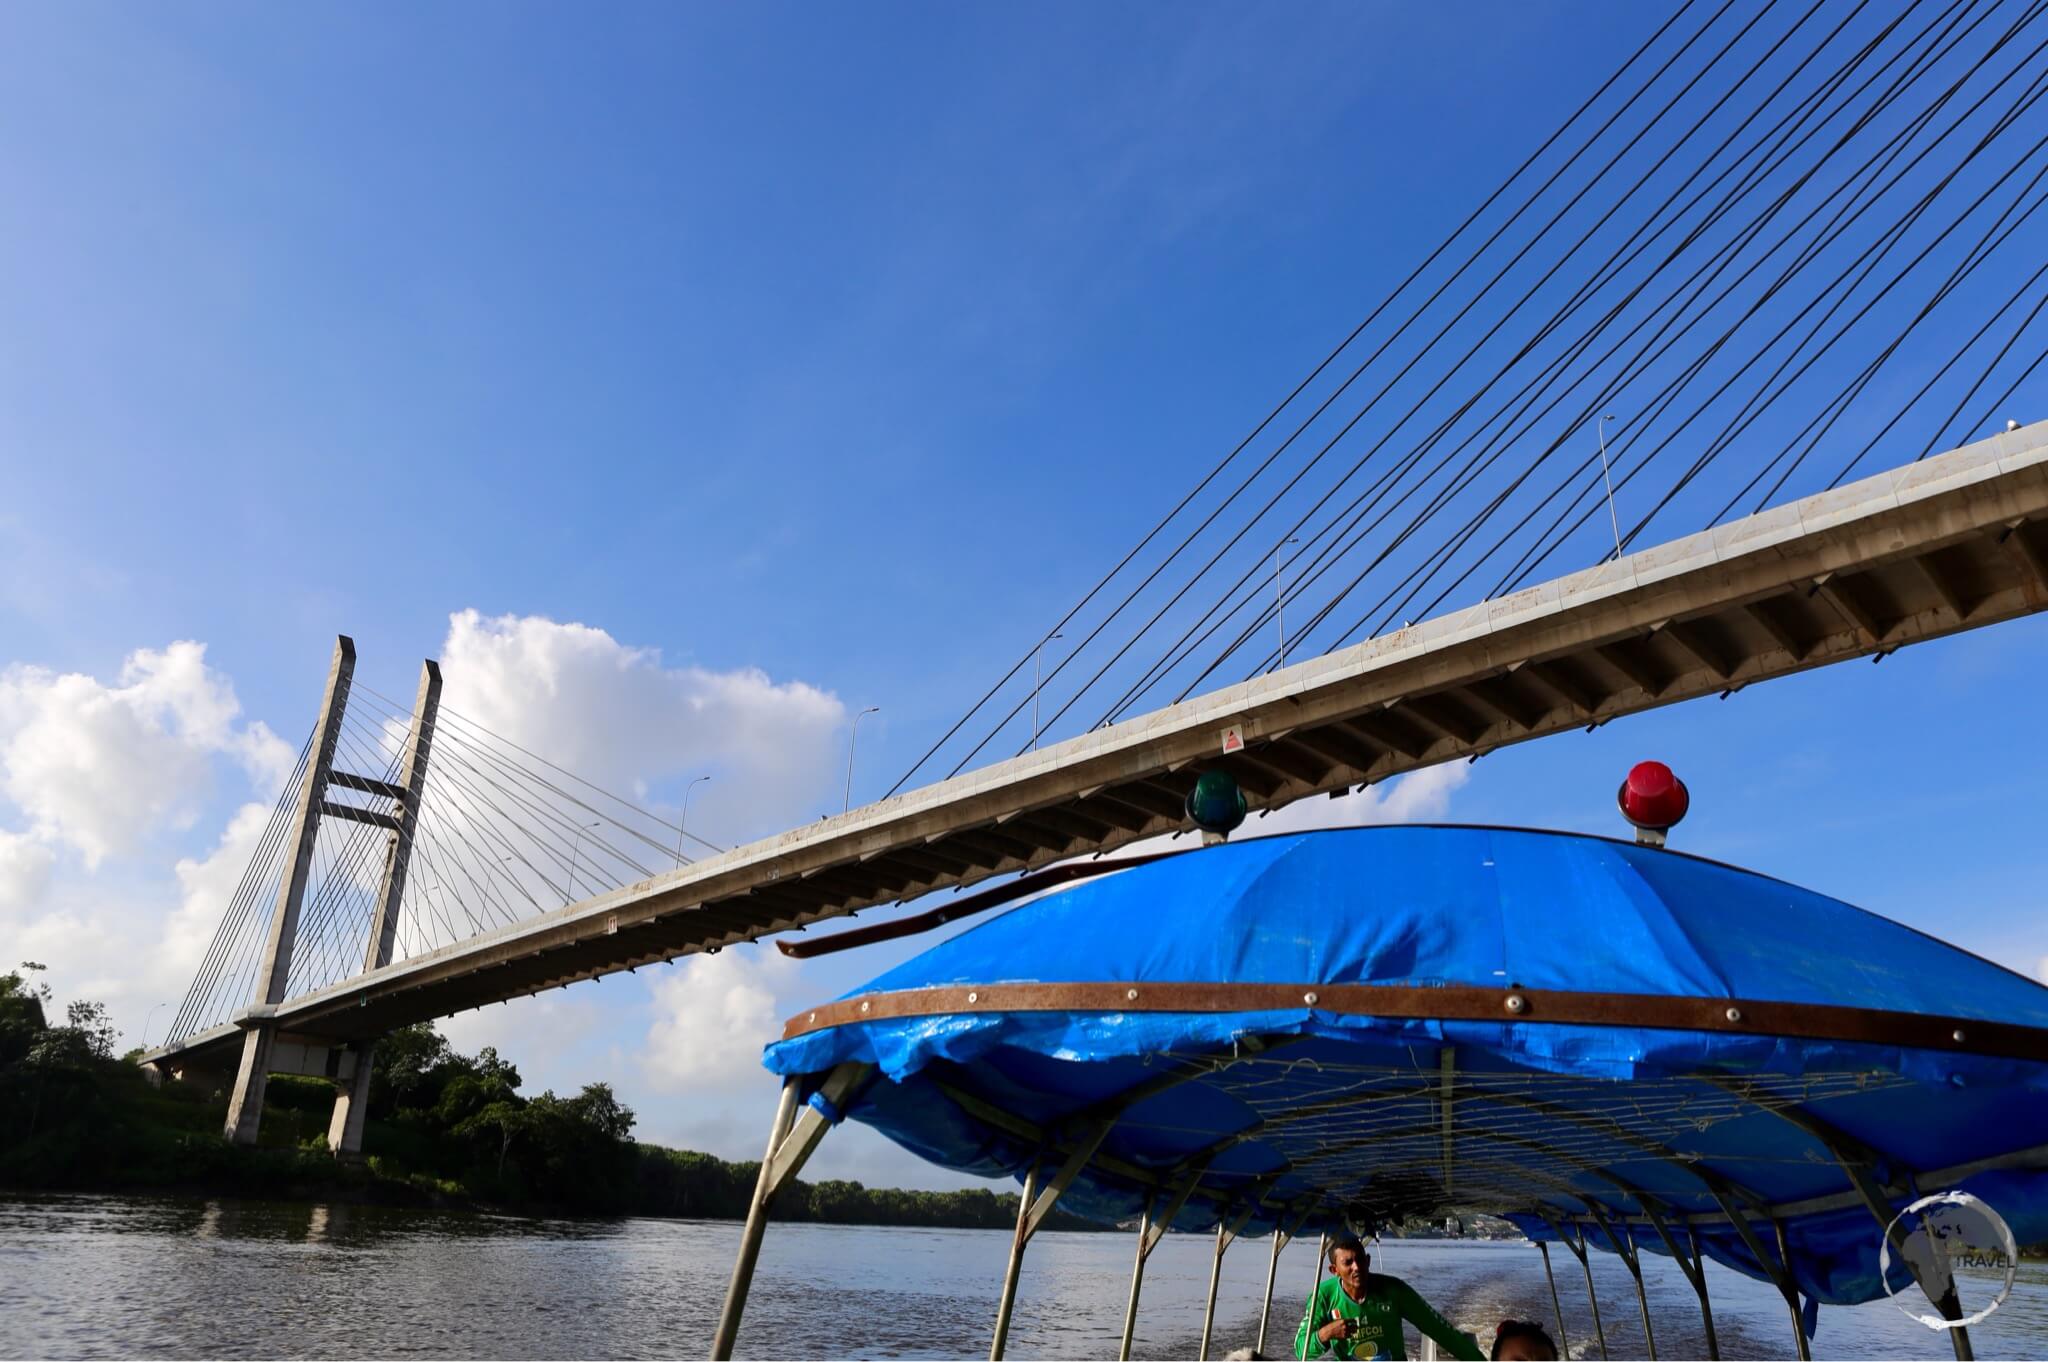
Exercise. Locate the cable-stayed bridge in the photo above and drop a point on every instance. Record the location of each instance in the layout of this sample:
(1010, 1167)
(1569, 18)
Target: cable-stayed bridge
(465, 871)
(1778, 247)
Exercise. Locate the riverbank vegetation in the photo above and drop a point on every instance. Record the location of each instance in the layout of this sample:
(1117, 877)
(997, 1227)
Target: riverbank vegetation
(444, 1128)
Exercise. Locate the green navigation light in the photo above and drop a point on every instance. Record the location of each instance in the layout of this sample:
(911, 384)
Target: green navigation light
(1216, 805)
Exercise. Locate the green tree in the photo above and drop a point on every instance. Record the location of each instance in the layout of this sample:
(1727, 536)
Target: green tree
(410, 1069)
(94, 1027)
(504, 1120)
(24, 1011)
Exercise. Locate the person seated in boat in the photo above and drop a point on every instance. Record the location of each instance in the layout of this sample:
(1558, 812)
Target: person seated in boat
(1358, 1313)
(1523, 1340)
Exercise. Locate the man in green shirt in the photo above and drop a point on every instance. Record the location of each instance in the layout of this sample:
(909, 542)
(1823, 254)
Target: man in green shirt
(1355, 1314)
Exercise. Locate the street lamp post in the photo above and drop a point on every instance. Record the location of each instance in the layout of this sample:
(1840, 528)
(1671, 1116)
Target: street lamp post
(853, 738)
(575, 847)
(1038, 680)
(684, 821)
(1277, 616)
(1612, 518)
(146, 1022)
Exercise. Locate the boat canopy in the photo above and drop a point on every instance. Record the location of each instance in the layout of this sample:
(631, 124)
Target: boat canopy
(1604, 1042)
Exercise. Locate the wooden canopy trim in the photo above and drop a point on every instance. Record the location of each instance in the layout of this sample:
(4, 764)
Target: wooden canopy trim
(1516, 1006)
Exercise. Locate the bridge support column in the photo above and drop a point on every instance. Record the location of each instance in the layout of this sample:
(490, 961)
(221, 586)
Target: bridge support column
(245, 1105)
(252, 1078)
(351, 1108)
(345, 1129)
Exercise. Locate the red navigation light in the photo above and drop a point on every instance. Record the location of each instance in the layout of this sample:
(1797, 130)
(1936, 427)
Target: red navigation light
(1653, 799)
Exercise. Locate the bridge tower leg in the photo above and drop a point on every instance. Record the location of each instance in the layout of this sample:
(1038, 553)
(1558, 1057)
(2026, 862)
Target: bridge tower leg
(351, 1103)
(245, 1106)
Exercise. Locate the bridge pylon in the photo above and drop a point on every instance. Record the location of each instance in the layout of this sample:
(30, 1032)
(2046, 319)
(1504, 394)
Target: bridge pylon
(345, 1130)
(260, 1035)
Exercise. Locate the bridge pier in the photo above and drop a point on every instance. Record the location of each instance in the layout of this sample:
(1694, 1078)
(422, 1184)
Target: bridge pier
(351, 1108)
(252, 1079)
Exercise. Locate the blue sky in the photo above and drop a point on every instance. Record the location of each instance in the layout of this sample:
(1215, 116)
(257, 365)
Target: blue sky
(845, 344)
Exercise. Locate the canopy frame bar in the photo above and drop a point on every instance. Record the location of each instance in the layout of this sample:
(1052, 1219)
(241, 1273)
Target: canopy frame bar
(1123, 1351)
(1007, 1301)
(1711, 1180)
(1792, 1294)
(1281, 1239)
(1224, 1239)
(1031, 1214)
(1693, 1267)
(792, 1138)
(1625, 1249)
(2033, 1157)
(1780, 1274)
(1564, 1347)
(1404, 1002)
(1592, 1297)
(1856, 1158)
(1621, 1134)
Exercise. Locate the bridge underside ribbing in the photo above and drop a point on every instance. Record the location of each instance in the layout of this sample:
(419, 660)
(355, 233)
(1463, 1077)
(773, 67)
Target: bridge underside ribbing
(1950, 543)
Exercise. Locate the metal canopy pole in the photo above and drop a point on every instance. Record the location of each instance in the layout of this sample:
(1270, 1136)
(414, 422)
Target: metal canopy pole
(1123, 1351)
(1699, 1285)
(1854, 1158)
(1148, 1239)
(1226, 1235)
(1016, 1265)
(1280, 1241)
(1564, 1347)
(1625, 1249)
(1266, 1301)
(791, 1141)
(1209, 1306)
(1792, 1293)
(1693, 1268)
(1031, 1213)
(1593, 1297)
(1635, 1267)
(1948, 1302)
(757, 1224)
(1781, 1276)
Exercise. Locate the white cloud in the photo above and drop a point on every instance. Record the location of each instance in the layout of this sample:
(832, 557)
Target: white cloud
(99, 772)
(1422, 796)
(205, 884)
(616, 716)
(713, 1014)
(24, 873)
(560, 1039)
(98, 768)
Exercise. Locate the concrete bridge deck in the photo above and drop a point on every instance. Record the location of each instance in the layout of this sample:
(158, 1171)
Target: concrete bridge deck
(1951, 543)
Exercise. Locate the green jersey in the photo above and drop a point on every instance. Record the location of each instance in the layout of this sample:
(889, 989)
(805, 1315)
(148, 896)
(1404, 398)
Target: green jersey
(1388, 1301)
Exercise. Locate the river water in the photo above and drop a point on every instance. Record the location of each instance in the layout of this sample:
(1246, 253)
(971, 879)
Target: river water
(127, 1277)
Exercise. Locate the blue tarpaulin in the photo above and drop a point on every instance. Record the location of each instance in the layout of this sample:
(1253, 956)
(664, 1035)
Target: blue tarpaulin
(1341, 1115)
